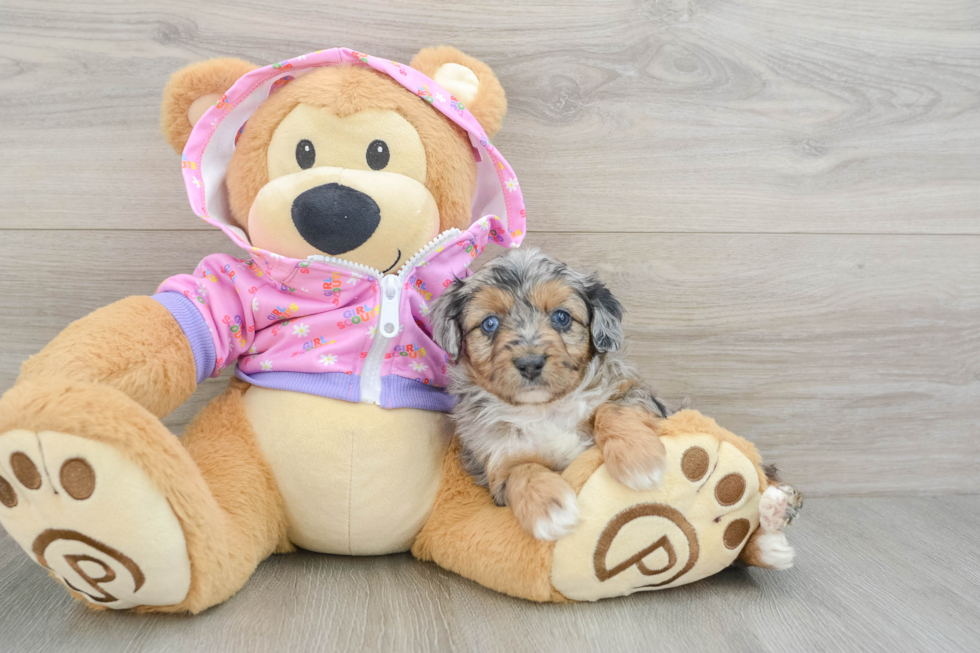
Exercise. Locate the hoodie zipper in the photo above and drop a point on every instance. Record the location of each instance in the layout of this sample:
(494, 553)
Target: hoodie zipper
(390, 288)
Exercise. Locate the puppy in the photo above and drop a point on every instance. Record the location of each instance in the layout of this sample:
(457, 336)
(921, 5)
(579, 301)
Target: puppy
(537, 382)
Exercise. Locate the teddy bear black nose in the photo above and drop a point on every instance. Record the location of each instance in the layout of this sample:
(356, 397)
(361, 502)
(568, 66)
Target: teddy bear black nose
(334, 218)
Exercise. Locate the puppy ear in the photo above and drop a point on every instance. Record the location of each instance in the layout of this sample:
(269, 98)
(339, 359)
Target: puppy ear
(446, 318)
(470, 81)
(607, 316)
(191, 91)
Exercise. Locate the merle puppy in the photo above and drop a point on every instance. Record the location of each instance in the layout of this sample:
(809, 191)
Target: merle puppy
(538, 384)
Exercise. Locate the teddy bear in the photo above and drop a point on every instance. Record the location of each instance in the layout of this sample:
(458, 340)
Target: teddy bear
(358, 188)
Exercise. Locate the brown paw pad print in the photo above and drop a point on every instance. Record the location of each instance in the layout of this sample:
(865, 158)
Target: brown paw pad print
(675, 527)
(94, 531)
(728, 491)
(676, 532)
(78, 478)
(76, 475)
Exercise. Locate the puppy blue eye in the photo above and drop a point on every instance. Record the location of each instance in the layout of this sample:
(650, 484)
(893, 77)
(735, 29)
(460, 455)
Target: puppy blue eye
(561, 320)
(490, 325)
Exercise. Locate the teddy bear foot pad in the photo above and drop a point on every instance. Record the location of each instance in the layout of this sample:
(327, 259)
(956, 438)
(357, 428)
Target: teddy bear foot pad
(693, 526)
(94, 519)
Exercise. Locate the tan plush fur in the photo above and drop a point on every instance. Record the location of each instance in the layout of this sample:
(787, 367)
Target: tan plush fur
(582, 468)
(450, 168)
(471, 536)
(152, 364)
(691, 421)
(190, 83)
(105, 381)
(490, 103)
(219, 487)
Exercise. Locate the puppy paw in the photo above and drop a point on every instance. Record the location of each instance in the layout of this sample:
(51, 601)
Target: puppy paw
(544, 504)
(560, 519)
(775, 551)
(639, 462)
(631, 448)
(636, 464)
(778, 507)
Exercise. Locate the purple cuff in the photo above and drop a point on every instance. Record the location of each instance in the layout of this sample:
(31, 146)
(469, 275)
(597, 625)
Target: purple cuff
(195, 328)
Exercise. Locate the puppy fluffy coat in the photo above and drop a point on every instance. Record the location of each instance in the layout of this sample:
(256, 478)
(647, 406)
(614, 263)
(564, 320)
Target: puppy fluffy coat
(538, 384)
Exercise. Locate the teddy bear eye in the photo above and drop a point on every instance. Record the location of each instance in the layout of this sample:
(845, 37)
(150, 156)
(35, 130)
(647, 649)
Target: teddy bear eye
(305, 154)
(377, 155)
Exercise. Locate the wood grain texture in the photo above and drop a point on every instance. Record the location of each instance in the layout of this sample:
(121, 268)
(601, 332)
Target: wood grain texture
(784, 193)
(853, 362)
(872, 574)
(789, 116)
(851, 357)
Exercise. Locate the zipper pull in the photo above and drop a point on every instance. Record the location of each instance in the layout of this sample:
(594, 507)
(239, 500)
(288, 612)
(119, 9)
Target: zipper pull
(390, 296)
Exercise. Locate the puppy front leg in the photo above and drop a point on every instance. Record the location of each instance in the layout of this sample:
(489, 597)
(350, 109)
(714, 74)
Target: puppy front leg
(543, 502)
(631, 448)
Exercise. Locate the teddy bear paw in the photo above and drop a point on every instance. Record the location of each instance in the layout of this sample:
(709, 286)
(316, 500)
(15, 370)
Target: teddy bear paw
(693, 526)
(93, 518)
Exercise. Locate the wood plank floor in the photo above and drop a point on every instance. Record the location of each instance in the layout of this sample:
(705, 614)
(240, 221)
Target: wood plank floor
(831, 352)
(784, 193)
(873, 574)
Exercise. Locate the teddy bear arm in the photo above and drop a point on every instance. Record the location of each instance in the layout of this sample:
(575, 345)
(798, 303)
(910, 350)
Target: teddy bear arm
(133, 345)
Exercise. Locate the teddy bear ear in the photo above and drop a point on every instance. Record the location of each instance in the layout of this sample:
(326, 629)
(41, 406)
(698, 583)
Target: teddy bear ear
(192, 90)
(470, 81)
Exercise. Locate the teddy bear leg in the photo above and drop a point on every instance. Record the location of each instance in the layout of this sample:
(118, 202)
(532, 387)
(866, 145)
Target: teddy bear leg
(223, 445)
(468, 534)
(95, 489)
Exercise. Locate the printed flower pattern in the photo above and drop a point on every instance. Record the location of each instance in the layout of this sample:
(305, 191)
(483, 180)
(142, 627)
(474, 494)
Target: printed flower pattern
(322, 336)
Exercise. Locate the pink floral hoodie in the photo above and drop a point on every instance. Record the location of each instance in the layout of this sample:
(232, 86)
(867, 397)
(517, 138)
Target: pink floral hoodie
(323, 325)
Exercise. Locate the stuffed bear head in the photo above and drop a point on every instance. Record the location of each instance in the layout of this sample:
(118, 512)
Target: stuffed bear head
(343, 161)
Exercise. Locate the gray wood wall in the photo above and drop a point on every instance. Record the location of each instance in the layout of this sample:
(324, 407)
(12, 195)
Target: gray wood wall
(784, 193)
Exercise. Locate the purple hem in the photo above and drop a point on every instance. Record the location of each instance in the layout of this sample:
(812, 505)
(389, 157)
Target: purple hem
(399, 392)
(194, 327)
(335, 385)
(396, 392)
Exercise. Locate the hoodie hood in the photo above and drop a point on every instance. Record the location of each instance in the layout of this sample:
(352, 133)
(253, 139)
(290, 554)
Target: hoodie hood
(323, 325)
(212, 143)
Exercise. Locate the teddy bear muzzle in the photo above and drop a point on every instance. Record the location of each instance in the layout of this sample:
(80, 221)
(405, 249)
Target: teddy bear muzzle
(335, 218)
(375, 218)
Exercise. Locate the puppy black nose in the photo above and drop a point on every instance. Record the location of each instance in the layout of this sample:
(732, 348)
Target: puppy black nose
(334, 218)
(529, 366)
